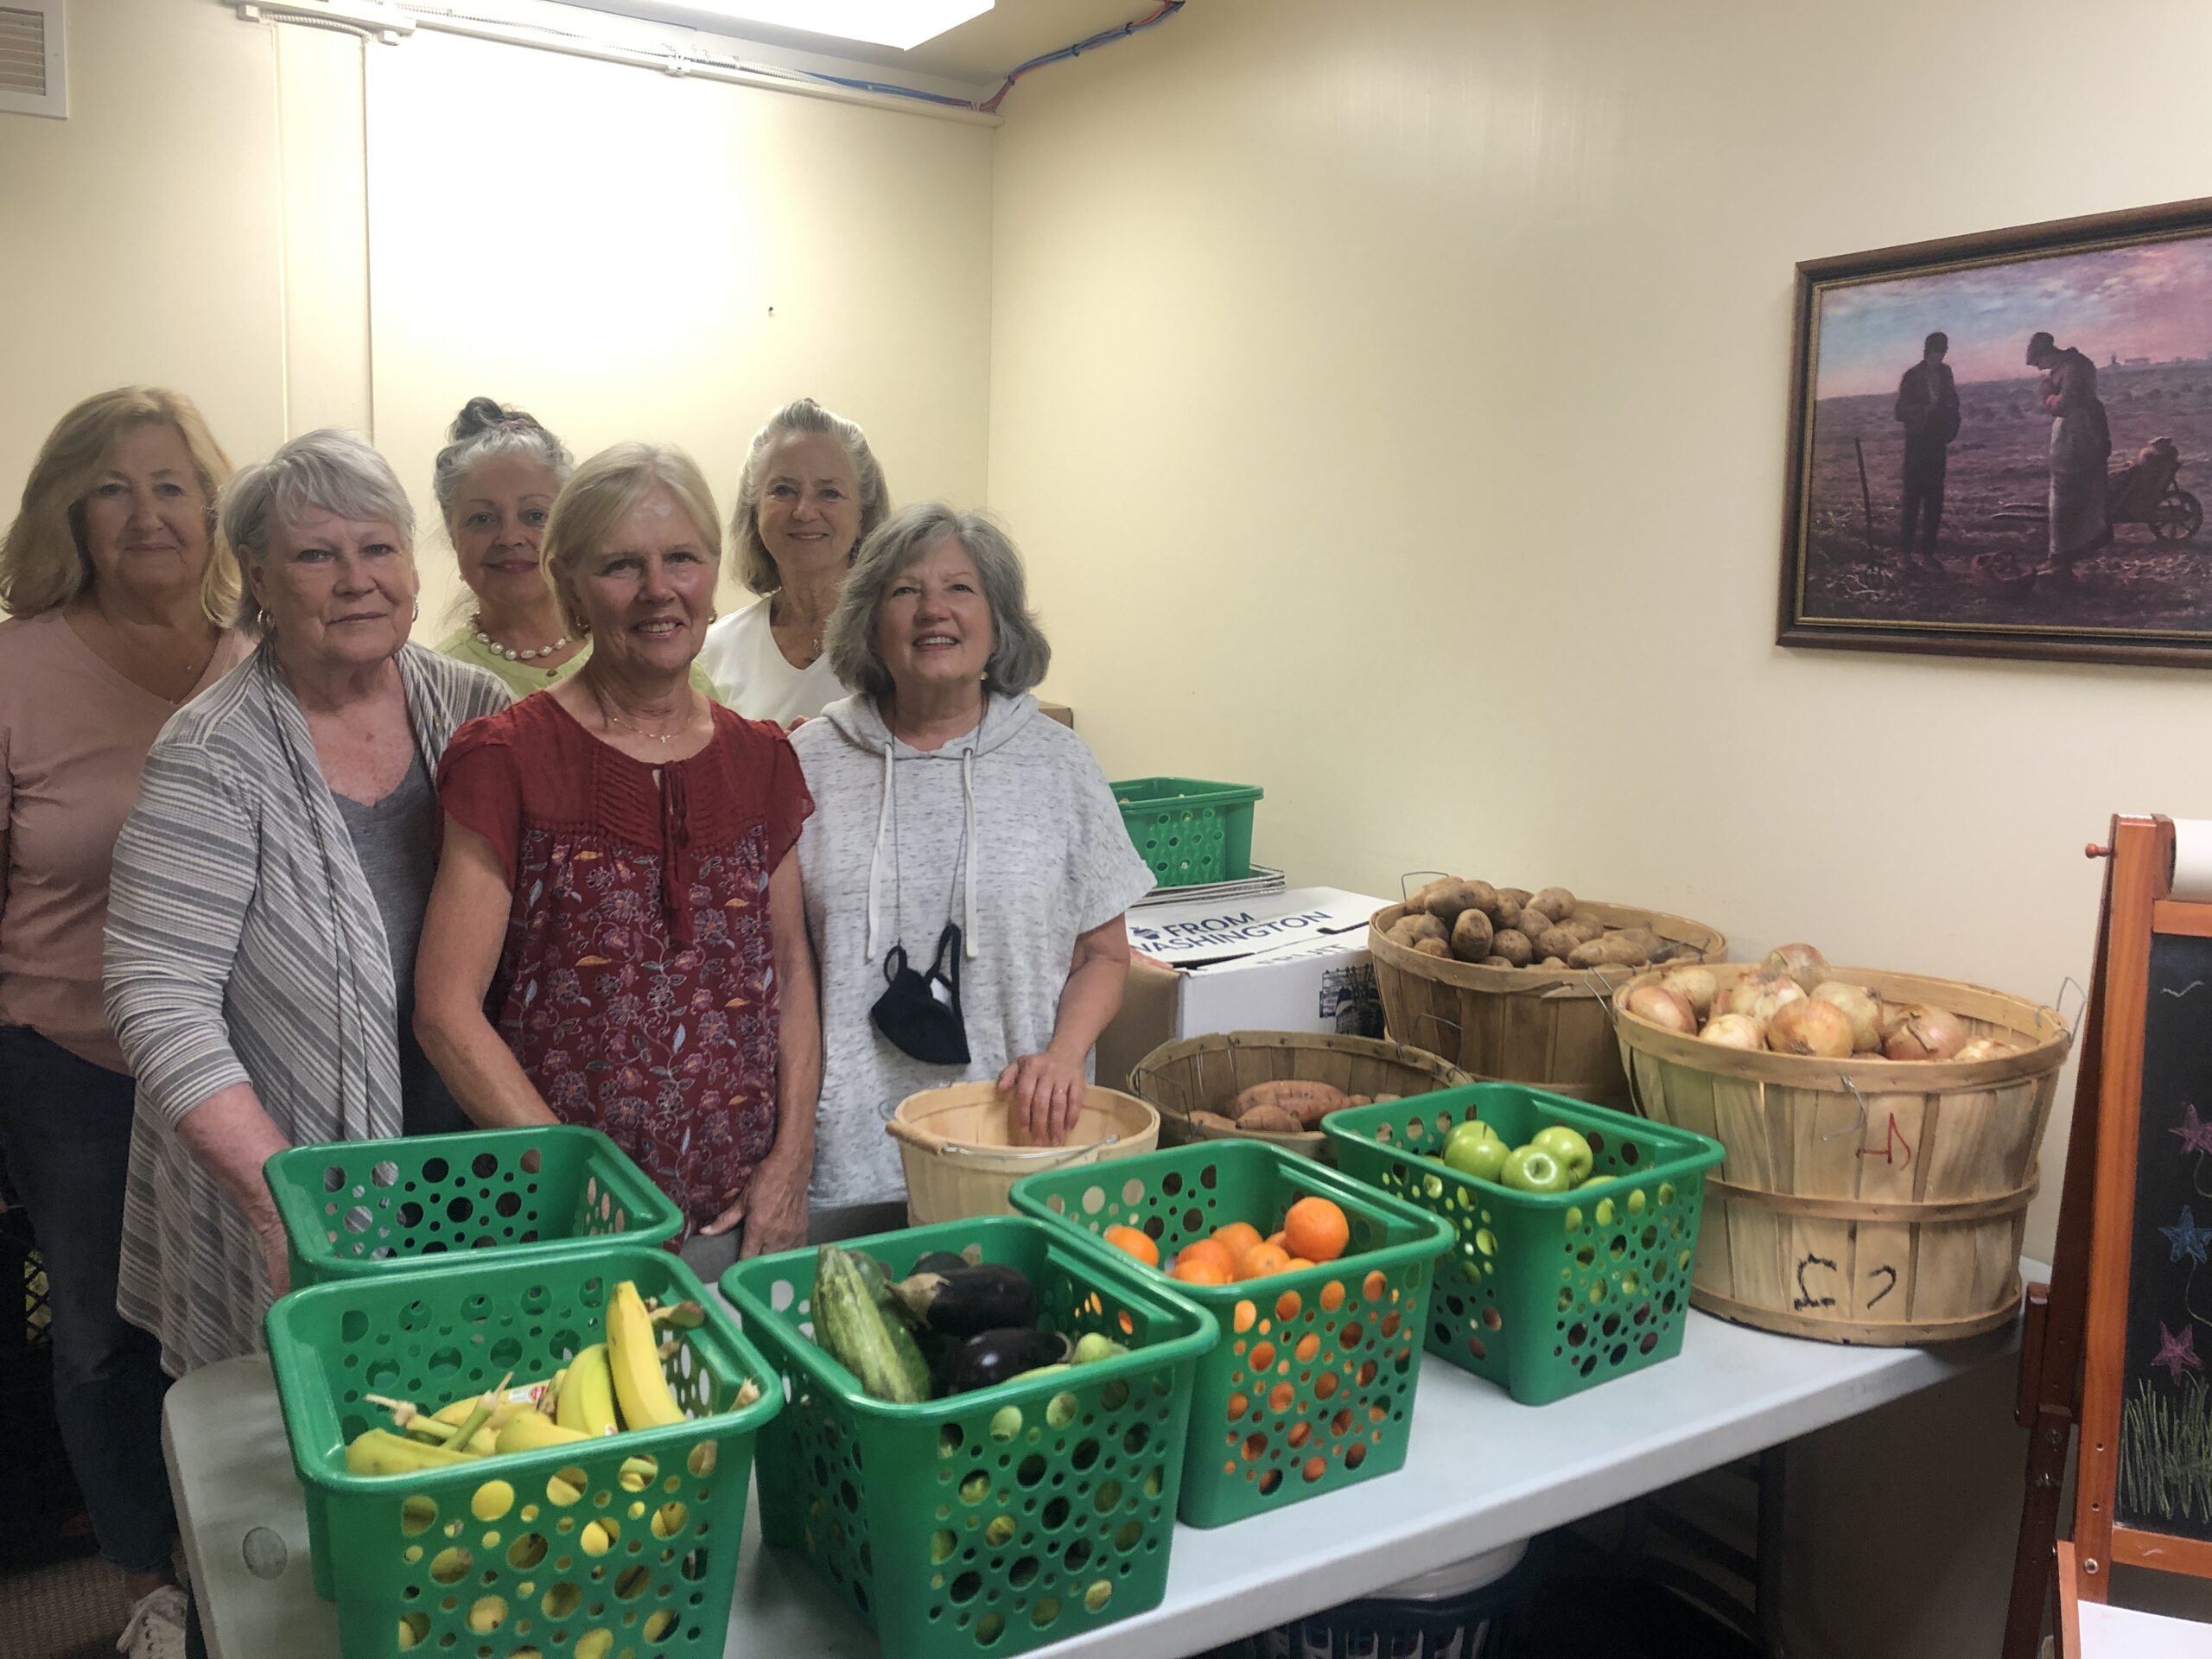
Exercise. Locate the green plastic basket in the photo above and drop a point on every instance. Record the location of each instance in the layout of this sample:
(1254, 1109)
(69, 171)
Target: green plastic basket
(1310, 1385)
(997, 1521)
(365, 1208)
(1547, 1293)
(1189, 831)
(497, 1558)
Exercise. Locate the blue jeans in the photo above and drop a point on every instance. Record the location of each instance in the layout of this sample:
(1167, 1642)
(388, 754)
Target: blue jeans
(65, 1136)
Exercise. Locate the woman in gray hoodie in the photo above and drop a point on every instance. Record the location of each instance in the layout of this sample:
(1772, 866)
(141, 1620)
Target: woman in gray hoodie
(966, 869)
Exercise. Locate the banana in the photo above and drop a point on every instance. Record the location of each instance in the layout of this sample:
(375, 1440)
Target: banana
(528, 1432)
(380, 1452)
(587, 1403)
(633, 1355)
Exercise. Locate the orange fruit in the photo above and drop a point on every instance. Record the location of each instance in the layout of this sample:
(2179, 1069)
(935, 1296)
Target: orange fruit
(1316, 1229)
(1277, 1240)
(1135, 1242)
(1261, 1260)
(1298, 1261)
(1201, 1272)
(1208, 1250)
(1237, 1238)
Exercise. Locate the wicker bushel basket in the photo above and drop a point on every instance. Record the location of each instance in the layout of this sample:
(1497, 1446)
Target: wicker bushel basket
(962, 1150)
(1547, 1027)
(1201, 1074)
(1862, 1200)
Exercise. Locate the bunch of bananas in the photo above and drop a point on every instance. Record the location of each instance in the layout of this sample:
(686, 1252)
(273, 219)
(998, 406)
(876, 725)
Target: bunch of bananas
(612, 1385)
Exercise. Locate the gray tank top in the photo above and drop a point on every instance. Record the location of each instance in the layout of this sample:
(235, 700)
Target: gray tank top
(397, 840)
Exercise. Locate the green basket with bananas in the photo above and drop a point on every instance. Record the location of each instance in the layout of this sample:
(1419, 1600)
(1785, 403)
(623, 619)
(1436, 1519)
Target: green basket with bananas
(547, 1454)
(1002, 1516)
(356, 1208)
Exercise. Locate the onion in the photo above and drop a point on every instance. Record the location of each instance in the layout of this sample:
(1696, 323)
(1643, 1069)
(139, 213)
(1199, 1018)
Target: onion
(1695, 986)
(1802, 962)
(1926, 1034)
(1860, 1006)
(1662, 1007)
(1743, 996)
(1810, 1026)
(1735, 1031)
(1782, 994)
(1986, 1048)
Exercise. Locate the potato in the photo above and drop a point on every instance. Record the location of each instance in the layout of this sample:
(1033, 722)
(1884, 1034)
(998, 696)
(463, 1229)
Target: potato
(1557, 902)
(1518, 950)
(1418, 899)
(1497, 961)
(1520, 896)
(1614, 950)
(1433, 948)
(1470, 936)
(1213, 1120)
(1446, 900)
(1308, 1102)
(1535, 919)
(1486, 898)
(1506, 915)
(1559, 941)
(1585, 928)
(1410, 930)
(1552, 962)
(1273, 1120)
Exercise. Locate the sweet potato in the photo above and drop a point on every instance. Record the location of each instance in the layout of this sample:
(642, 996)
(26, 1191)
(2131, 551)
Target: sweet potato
(1213, 1120)
(1308, 1102)
(1272, 1119)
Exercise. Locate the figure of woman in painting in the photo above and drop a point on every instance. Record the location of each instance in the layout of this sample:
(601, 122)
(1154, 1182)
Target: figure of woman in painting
(2080, 443)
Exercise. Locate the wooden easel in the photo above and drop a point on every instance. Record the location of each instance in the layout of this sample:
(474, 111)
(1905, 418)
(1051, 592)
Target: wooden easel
(2072, 1352)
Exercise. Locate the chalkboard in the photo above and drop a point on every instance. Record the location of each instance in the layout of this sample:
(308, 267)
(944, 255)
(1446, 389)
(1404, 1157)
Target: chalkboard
(2166, 1418)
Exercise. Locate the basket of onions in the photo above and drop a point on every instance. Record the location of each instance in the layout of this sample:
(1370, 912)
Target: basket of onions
(1882, 1131)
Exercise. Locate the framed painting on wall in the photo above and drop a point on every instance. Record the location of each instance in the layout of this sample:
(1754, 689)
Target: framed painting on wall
(2001, 444)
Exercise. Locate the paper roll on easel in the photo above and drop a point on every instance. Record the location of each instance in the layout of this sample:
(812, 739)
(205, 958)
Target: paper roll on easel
(2192, 858)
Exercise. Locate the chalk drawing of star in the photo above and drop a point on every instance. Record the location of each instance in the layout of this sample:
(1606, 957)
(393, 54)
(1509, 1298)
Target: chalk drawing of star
(2195, 1135)
(2177, 1353)
(2187, 1237)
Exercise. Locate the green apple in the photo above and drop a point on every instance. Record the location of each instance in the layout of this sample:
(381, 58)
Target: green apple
(1473, 1148)
(1532, 1169)
(1570, 1148)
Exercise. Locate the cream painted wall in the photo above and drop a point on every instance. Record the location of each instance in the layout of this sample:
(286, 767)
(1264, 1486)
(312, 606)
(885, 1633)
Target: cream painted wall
(299, 230)
(1393, 402)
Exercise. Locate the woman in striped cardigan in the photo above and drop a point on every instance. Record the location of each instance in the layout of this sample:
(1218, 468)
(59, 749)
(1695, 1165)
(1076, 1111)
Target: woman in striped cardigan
(268, 890)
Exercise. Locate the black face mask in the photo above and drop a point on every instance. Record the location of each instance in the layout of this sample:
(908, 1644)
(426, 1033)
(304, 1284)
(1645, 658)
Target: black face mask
(919, 1014)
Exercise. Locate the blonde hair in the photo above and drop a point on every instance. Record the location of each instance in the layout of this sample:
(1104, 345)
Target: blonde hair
(603, 491)
(43, 564)
(756, 566)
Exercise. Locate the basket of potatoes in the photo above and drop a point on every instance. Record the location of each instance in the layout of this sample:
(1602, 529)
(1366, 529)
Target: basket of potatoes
(1278, 1085)
(1514, 984)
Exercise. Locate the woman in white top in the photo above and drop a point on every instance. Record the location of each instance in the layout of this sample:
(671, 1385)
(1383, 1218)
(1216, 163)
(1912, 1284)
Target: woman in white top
(811, 492)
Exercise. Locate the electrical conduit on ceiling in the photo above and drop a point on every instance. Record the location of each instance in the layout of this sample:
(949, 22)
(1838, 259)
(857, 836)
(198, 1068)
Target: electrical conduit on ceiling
(390, 20)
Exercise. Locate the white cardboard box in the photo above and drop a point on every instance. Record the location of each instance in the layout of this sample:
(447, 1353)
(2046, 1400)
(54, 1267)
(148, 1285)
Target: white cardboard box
(1291, 960)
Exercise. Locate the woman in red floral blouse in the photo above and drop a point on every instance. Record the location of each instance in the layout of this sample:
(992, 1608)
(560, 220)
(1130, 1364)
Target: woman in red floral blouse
(616, 936)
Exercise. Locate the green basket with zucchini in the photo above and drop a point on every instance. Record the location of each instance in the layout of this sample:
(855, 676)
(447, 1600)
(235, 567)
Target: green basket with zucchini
(983, 1450)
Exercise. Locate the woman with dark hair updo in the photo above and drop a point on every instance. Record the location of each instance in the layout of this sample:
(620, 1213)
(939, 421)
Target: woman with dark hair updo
(495, 481)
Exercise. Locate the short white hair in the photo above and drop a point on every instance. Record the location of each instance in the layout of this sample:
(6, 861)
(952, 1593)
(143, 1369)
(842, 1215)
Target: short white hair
(329, 470)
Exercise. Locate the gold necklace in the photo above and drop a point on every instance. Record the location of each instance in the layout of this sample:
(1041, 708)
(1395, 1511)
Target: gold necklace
(662, 738)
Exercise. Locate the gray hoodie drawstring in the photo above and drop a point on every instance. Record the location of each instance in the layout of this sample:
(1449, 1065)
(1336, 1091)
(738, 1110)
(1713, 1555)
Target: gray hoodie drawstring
(875, 863)
(886, 817)
(968, 788)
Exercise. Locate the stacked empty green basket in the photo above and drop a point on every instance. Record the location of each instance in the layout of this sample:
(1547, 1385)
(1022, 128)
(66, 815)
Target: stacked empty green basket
(1546, 1293)
(586, 1550)
(1191, 832)
(355, 1208)
(1000, 1520)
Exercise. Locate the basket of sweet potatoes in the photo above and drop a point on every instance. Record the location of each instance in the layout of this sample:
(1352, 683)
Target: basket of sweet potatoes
(1278, 1085)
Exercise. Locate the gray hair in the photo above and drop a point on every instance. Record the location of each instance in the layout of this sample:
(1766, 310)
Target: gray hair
(328, 470)
(755, 566)
(485, 428)
(1019, 655)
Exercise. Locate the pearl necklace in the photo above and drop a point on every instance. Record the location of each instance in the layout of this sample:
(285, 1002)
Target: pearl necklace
(476, 626)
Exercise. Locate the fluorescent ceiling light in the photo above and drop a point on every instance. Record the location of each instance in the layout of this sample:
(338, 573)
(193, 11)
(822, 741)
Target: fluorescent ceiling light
(900, 23)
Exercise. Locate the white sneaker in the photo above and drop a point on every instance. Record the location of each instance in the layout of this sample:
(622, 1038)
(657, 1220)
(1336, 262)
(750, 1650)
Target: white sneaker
(157, 1626)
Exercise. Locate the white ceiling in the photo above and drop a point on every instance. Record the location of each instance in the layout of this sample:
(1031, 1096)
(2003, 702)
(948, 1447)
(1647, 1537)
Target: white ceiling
(979, 51)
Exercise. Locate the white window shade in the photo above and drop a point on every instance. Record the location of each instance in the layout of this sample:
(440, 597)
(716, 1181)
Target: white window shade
(31, 78)
(902, 24)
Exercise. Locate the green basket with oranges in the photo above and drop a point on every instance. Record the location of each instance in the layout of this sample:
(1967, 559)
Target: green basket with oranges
(1320, 1286)
(1547, 1293)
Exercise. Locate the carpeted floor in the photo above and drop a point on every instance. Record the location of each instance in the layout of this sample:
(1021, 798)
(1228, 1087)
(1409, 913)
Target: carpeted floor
(70, 1610)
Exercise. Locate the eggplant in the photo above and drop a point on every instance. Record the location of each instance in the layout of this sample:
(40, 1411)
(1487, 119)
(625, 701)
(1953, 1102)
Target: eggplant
(941, 1262)
(998, 1356)
(967, 1301)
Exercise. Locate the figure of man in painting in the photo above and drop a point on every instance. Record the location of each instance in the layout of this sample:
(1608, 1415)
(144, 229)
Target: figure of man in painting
(1928, 405)
(2080, 443)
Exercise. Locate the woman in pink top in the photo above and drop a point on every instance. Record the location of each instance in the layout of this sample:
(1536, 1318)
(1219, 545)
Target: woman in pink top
(119, 590)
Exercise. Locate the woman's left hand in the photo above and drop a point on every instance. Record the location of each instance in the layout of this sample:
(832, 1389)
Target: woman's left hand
(773, 1210)
(1047, 1091)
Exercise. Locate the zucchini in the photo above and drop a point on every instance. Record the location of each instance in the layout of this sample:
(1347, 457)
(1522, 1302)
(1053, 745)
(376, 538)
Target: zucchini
(856, 1331)
(997, 1356)
(968, 1302)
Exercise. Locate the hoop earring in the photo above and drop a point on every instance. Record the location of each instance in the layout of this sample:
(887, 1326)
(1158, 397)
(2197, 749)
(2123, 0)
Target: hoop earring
(267, 622)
